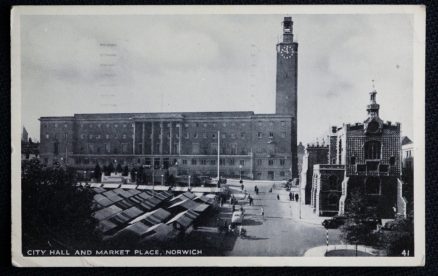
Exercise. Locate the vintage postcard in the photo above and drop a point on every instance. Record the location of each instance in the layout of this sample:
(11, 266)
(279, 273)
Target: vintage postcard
(218, 136)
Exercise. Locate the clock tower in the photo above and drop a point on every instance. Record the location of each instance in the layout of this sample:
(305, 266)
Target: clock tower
(287, 60)
(286, 84)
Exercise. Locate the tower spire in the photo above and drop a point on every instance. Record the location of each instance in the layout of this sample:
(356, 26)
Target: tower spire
(373, 107)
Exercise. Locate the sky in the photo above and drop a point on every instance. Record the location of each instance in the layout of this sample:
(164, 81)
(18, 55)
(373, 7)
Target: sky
(169, 63)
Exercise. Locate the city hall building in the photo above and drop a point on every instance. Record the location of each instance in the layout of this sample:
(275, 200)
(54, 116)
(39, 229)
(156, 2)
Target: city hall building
(256, 146)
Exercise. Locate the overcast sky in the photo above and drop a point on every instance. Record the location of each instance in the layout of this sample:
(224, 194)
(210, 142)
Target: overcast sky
(105, 64)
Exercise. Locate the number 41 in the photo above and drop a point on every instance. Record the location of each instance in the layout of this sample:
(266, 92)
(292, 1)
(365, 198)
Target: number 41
(405, 253)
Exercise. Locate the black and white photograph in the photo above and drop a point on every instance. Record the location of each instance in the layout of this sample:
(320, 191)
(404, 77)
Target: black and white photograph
(162, 135)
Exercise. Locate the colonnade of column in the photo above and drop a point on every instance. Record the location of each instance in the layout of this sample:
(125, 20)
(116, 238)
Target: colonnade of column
(154, 126)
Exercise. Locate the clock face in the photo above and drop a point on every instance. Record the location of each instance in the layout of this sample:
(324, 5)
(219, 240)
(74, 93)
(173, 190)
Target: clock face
(287, 51)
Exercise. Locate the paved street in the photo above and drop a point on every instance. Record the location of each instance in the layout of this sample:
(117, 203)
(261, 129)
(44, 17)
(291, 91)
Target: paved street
(279, 232)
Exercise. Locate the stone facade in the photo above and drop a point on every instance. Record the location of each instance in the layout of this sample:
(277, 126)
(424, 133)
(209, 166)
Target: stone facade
(256, 146)
(314, 154)
(362, 157)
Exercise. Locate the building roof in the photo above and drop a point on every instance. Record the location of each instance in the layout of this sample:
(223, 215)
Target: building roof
(185, 218)
(405, 140)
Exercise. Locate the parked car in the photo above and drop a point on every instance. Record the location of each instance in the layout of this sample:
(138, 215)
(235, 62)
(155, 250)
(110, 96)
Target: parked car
(334, 222)
(237, 217)
(389, 226)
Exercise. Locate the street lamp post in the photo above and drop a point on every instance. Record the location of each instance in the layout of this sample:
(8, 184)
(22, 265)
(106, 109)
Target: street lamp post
(189, 182)
(162, 180)
(240, 171)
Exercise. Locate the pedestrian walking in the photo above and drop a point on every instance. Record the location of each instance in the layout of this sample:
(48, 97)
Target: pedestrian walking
(278, 196)
(262, 212)
(291, 197)
(242, 186)
(296, 197)
(234, 207)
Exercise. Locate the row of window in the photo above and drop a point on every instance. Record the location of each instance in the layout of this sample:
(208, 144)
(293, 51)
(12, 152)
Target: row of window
(116, 125)
(271, 162)
(55, 125)
(224, 124)
(222, 161)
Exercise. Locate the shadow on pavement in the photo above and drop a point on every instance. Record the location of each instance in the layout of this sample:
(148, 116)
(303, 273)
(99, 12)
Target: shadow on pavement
(252, 222)
(254, 238)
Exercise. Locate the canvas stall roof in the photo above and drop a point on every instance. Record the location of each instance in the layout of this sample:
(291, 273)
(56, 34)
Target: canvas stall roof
(153, 217)
(144, 195)
(95, 185)
(106, 225)
(111, 195)
(137, 229)
(129, 186)
(150, 203)
(125, 216)
(159, 231)
(191, 205)
(124, 204)
(136, 199)
(102, 200)
(204, 199)
(122, 193)
(185, 218)
(106, 212)
(110, 185)
(163, 195)
(189, 195)
(99, 190)
(184, 196)
(133, 191)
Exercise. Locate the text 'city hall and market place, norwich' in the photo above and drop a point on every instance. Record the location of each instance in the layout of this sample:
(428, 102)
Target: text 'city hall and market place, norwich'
(233, 183)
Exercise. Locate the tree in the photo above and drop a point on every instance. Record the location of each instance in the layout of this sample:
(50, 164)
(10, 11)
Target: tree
(110, 168)
(171, 180)
(97, 173)
(357, 228)
(125, 171)
(133, 174)
(56, 213)
(399, 239)
(119, 168)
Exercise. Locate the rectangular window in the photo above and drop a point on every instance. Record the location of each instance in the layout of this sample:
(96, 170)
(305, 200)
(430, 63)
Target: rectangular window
(194, 162)
(90, 148)
(271, 134)
(108, 148)
(231, 161)
(283, 123)
(213, 162)
(203, 162)
(124, 148)
(242, 162)
(195, 148)
(187, 135)
(282, 161)
(221, 161)
(282, 173)
(270, 162)
(184, 162)
(259, 162)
